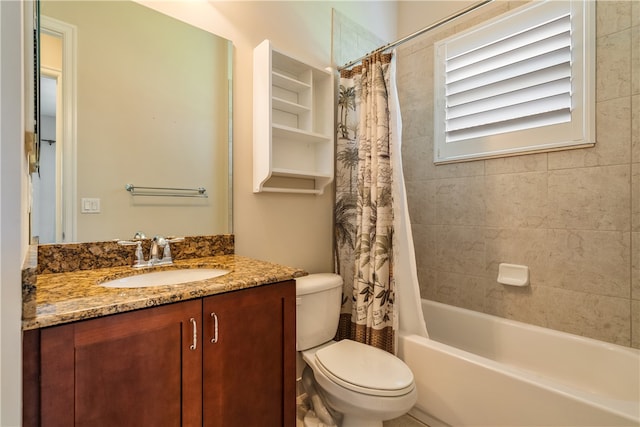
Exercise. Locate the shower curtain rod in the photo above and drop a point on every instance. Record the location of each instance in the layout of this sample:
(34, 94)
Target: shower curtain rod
(417, 33)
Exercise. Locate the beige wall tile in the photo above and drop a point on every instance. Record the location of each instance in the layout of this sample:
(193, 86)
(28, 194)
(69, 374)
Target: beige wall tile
(460, 250)
(635, 324)
(599, 317)
(415, 92)
(612, 16)
(613, 139)
(635, 58)
(590, 198)
(635, 128)
(411, 69)
(460, 201)
(351, 40)
(613, 66)
(613, 133)
(635, 197)
(517, 164)
(417, 125)
(635, 265)
(427, 282)
(572, 216)
(460, 290)
(517, 246)
(426, 40)
(590, 261)
(417, 154)
(514, 303)
(458, 170)
(483, 14)
(424, 241)
(516, 200)
(421, 198)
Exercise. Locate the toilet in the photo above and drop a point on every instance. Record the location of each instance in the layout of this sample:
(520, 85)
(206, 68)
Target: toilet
(363, 383)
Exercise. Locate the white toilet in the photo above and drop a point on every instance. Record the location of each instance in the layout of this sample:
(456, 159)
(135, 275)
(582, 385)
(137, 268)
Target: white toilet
(367, 385)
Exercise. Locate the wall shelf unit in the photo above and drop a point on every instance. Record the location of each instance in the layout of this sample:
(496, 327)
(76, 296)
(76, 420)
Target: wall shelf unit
(293, 133)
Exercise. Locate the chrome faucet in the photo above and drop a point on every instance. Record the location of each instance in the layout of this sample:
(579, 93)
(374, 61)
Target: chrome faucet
(157, 243)
(166, 249)
(138, 256)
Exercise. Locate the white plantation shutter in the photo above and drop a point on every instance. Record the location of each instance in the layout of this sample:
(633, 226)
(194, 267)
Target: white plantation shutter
(516, 84)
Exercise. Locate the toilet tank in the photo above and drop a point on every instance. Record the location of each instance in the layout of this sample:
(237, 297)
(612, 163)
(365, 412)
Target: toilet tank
(318, 300)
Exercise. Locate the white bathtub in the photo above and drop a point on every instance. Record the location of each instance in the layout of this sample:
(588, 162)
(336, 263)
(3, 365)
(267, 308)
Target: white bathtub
(482, 370)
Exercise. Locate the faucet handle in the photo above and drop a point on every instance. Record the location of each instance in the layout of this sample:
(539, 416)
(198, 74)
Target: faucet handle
(166, 253)
(164, 243)
(156, 243)
(139, 256)
(139, 235)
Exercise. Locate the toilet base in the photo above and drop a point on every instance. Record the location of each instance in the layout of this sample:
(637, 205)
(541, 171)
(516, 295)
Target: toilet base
(357, 409)
(355, 421)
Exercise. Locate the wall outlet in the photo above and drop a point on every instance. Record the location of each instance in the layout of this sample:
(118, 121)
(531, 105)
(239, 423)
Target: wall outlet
(89, 205)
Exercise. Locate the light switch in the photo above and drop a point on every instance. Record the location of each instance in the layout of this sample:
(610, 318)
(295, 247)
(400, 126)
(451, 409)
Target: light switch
(89, 205)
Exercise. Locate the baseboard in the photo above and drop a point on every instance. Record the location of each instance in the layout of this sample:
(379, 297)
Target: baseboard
(427, 419)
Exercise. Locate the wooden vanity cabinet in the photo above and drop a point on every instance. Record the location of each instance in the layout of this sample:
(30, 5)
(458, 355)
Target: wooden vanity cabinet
(167, 366)
(130, 369)
(249, 365)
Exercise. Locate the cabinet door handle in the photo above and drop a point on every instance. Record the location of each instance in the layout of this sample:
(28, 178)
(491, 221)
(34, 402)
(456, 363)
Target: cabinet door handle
(215, 328)
(194, 343)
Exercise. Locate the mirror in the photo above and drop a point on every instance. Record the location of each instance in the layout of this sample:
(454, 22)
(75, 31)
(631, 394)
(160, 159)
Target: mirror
(130, 96)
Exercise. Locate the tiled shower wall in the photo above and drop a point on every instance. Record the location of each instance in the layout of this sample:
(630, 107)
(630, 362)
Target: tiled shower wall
(572, 216)
(350, 40)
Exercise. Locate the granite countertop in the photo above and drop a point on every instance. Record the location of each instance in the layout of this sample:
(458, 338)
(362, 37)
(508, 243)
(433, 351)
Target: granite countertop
(68, 297)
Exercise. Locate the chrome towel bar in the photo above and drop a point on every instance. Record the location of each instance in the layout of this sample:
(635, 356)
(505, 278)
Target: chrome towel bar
(166, 191)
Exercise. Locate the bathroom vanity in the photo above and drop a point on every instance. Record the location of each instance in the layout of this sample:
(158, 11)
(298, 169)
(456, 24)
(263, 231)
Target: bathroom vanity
(217, 352)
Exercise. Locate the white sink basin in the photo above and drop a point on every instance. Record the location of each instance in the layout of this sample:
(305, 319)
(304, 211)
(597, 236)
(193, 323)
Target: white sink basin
(165, 277)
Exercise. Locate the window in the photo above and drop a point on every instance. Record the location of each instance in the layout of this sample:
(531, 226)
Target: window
(520, 83)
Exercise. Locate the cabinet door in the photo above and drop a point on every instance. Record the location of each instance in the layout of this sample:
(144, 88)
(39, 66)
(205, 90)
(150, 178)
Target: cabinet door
(140, 368)
(249, 371)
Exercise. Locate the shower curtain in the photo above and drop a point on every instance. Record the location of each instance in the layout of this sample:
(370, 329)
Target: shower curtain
(370, 205)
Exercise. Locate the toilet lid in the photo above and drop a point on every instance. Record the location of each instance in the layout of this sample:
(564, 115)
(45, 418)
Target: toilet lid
(365, 369)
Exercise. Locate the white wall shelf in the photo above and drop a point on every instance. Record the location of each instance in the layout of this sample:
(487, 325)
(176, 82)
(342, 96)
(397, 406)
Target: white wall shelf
(289, 83)
(292, 124)
(289, 107)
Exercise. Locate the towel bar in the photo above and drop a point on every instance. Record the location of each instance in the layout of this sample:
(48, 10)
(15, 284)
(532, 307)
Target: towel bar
(166, 191)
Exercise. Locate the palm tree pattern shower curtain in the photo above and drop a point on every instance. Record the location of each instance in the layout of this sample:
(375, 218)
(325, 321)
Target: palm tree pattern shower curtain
(363, 207)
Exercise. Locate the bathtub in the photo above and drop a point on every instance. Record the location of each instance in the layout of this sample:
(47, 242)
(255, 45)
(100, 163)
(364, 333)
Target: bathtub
(481, 370)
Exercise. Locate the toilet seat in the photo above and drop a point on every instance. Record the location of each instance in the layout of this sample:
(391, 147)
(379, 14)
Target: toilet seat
(365, 369)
